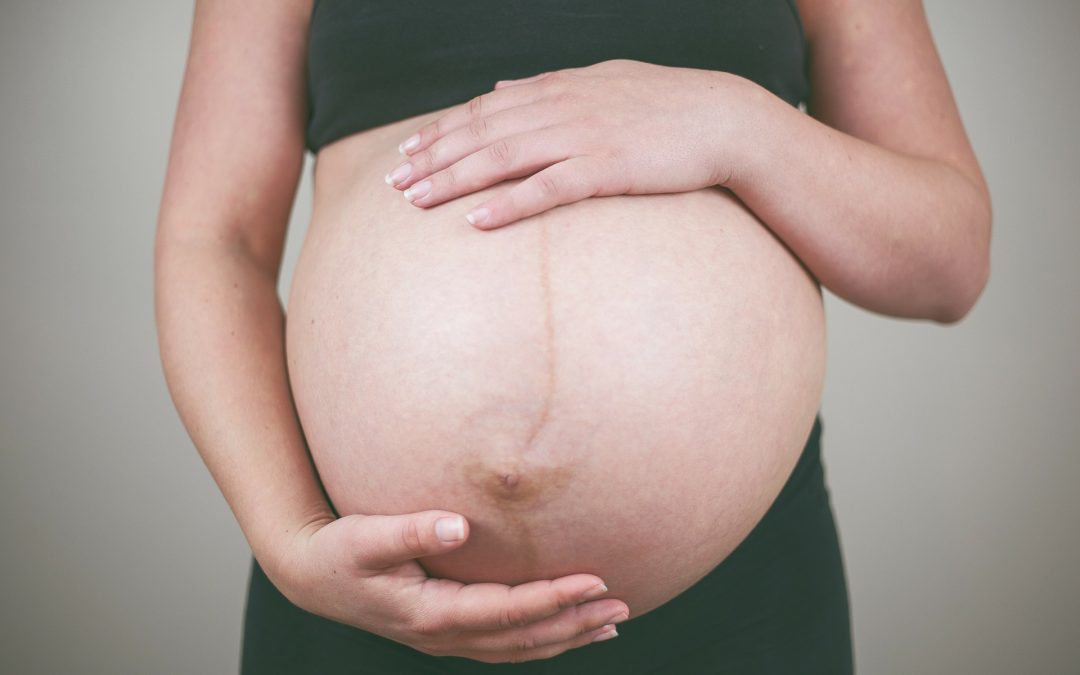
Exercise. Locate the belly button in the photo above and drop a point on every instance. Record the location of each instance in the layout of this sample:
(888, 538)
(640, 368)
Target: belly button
(506, 486)
(514, 485)
(511, 486)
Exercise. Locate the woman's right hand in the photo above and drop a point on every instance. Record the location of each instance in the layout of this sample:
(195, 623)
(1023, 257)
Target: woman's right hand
(361, 571)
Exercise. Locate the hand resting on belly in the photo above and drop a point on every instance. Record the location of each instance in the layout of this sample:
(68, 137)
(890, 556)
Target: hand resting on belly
(618, 386)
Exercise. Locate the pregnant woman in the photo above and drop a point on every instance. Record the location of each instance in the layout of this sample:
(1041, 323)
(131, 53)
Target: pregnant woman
(555, 343)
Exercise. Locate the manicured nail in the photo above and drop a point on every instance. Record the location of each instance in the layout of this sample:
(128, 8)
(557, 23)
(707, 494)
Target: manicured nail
(450, 529)
(607, 635)
(477, 215)
(399, 174)
(408, 144)
(594, 592)
(418, 190)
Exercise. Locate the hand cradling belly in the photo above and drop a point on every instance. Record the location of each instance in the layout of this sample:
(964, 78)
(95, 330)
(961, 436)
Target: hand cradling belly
(618, 386)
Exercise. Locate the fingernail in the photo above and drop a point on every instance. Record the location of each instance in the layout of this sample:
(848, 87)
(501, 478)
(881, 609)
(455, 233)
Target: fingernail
(450, 529)
(619, 618)
(607, 635)
(477, 215)
(418, 190)
(399, 174)
(594, 592)
(409, 143)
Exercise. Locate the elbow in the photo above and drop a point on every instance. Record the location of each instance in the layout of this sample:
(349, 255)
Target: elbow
(966, 275)
(958, 303)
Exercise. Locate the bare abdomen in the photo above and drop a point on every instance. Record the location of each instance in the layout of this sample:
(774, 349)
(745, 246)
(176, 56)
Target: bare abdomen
(618, 386)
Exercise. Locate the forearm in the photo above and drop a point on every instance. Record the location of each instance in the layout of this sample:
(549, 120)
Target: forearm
(895, 234)
(221, 335)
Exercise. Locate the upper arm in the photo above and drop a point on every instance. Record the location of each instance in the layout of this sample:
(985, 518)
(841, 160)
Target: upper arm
(875, 74)
(238, 138)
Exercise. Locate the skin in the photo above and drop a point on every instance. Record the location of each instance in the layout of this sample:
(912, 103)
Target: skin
(878, 193)
(233, 169)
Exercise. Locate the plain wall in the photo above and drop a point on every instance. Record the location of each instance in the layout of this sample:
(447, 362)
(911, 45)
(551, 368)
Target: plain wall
(951, 452)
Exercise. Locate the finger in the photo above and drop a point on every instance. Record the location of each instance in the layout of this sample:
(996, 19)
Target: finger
(566, 182)
(605, 632)
(567, 625)
(476, 135)
(446, 606)
(521, 80)
(520, 155)
(475, 108)
(383, 541)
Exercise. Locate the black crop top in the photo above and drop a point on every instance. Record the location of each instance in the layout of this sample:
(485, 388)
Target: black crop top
(375, 62)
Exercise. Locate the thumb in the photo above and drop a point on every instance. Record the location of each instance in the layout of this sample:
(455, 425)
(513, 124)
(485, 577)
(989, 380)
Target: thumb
(383, 541)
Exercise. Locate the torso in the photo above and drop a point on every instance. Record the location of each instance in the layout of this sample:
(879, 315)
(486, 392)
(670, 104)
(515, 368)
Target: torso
(618, 386)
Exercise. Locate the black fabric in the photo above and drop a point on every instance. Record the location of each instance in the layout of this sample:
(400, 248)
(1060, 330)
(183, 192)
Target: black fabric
(778, 605)
(376, 62)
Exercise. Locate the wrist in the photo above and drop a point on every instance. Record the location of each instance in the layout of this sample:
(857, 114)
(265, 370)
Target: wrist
(278, 544)
(746, 135)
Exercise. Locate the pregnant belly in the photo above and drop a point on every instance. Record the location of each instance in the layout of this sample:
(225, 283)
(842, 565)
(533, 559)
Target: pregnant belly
(618, 386)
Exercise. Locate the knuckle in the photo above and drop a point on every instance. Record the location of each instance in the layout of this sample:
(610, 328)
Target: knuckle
(501, 152)
(566, 89)
(426, 160)
(587, 626)
(547, 185)
(556, 77)
(477, 128)
(511, 618)
(524, 643)
(448, 178)
(476, 106)
(411, 540)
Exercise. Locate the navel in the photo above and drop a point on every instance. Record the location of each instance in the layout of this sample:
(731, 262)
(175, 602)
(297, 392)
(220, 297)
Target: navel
(511, 484)
(515, 483)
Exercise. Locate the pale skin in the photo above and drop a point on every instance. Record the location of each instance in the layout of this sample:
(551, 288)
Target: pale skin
(879, 193)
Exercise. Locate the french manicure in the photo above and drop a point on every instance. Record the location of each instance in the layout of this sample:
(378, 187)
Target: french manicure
(607, 635)
(409, 143)
(418, 190)
(399, 174)
(594, 592)
(478, 215)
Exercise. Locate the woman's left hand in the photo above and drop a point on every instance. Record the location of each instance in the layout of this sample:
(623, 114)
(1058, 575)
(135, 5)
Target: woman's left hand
(615, 127)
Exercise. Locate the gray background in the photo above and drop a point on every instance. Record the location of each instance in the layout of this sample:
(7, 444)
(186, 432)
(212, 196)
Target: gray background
(951, 452)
